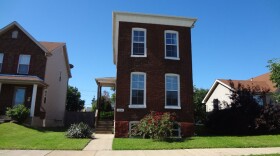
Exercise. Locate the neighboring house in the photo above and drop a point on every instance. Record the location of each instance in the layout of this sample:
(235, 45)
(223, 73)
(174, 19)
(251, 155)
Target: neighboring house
(219, 94)
(33, 73)
(153, 57)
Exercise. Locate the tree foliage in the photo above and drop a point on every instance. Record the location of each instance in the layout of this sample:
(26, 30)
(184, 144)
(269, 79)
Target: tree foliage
(240, 116)
(199, 107)
(74, 102)
(274, 67)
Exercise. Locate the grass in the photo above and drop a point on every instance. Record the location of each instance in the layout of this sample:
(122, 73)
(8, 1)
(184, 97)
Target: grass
(15, 136)
(198, 142)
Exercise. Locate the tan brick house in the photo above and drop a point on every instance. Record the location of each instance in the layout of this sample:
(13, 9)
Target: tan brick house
(152, 54)
(34, 74)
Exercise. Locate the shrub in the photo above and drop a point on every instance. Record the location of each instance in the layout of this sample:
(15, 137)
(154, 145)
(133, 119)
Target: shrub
(80, 130)
(19, 113)
(269, 120)
(156, 125)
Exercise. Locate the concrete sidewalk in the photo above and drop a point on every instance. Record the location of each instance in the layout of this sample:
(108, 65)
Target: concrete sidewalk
(101, 142)
(183, 152)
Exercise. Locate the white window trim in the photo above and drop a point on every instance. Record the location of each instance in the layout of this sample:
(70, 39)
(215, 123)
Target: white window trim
(177, 38)
(179, 97)
(145, 43)
(24, 64)
(179, 132)
(130, 103)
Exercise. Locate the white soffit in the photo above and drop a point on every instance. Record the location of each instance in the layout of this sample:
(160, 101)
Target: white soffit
(145, 18)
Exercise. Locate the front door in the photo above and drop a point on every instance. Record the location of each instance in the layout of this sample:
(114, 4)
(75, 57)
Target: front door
(19, 96)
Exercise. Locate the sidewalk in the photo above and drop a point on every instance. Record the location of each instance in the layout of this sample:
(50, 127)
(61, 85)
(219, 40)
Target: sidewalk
(183, 152)
(102, 146)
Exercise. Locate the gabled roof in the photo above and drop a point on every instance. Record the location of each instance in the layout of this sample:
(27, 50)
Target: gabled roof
(50, 46)
(145, 18)
(13, 24)
(260, 83)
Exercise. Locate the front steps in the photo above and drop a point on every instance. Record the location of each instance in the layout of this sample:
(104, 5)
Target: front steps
(104, 127)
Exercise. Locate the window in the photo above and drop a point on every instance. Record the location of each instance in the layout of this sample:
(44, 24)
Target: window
(171, 45)
(23, 64)
(258, 99)
(138, 48)
(1, 61)
(172, 91)
(19, 96)
(15, 34)
(132, 127)
(176, 131)
(138, 90)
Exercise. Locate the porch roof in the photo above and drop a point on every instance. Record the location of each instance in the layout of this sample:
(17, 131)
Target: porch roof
(106, 81)
(22, 79)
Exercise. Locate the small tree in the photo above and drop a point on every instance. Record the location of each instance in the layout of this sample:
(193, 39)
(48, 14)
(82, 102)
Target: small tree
(199, 107)
(274, 67)
(74, 102)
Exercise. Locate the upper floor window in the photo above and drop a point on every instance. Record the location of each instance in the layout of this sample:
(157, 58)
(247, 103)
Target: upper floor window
(15, 34)
(23, 64)
(138, 90)
(138, 47)
(1, 61)
(172, 91)
(171, 45)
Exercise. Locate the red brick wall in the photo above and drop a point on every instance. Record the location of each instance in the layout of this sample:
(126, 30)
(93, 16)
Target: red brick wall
(7, 95)
(155, 66)
(12, 48)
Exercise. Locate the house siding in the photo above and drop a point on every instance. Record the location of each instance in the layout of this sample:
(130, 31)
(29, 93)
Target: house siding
(12, 48)
(155, 66)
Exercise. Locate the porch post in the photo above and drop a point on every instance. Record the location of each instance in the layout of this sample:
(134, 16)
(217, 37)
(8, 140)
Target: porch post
(33, 101)
(0, 86)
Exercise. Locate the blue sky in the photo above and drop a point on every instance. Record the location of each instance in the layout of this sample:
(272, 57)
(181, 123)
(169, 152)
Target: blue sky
(232, 39)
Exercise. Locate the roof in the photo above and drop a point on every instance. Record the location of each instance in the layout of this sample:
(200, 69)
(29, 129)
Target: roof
(50, 46)
(259, 83)
(22, 79)
(145, 18)
(106, 81)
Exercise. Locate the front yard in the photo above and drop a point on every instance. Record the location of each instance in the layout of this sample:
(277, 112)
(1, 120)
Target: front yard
(13, 136)
(198, 142)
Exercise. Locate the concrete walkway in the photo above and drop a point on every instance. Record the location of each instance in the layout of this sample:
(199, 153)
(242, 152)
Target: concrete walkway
(183, 152)
(101, 142)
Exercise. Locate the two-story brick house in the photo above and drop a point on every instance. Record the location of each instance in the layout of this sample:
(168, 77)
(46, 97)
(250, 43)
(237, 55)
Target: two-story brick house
(34, 74)
(152, 54)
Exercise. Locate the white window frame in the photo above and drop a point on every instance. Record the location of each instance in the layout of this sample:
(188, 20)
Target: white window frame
(130, 125)
(145, 42)
(177, 38)
(179, 97)
(15, 34)
(144, 101)
(24, 64)
(179, 131)
(1, 61)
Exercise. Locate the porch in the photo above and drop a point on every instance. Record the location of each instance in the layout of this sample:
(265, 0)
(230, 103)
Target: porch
(103, 125)
(22, 89)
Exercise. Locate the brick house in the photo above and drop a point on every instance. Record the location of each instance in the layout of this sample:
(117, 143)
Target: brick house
(152, 54)
(33, 73)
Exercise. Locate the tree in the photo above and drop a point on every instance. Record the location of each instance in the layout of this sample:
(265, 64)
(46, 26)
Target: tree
(274, 67)
(74, 102)
(199, 107)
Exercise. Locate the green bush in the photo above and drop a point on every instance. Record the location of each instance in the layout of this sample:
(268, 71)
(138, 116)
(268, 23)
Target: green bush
(156, 125)
(107, 115)
(80, 130)
(19, 113)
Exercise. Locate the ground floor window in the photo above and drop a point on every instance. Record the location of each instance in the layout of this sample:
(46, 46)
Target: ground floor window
(132, 127)
(176, 132)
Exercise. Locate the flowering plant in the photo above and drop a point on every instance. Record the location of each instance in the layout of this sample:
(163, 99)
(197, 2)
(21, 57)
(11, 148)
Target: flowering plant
(156, 125)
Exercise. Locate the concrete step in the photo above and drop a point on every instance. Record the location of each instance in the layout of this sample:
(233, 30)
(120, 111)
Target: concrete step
(104, 128)
(103, 132)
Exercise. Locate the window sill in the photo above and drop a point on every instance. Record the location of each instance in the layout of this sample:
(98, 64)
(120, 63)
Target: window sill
(136, 106)
(138, 55)
(172, 107)
(172, 58)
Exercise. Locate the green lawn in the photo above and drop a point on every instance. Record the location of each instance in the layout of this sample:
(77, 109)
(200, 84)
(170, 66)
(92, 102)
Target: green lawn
(198, 142)
(13, 136)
